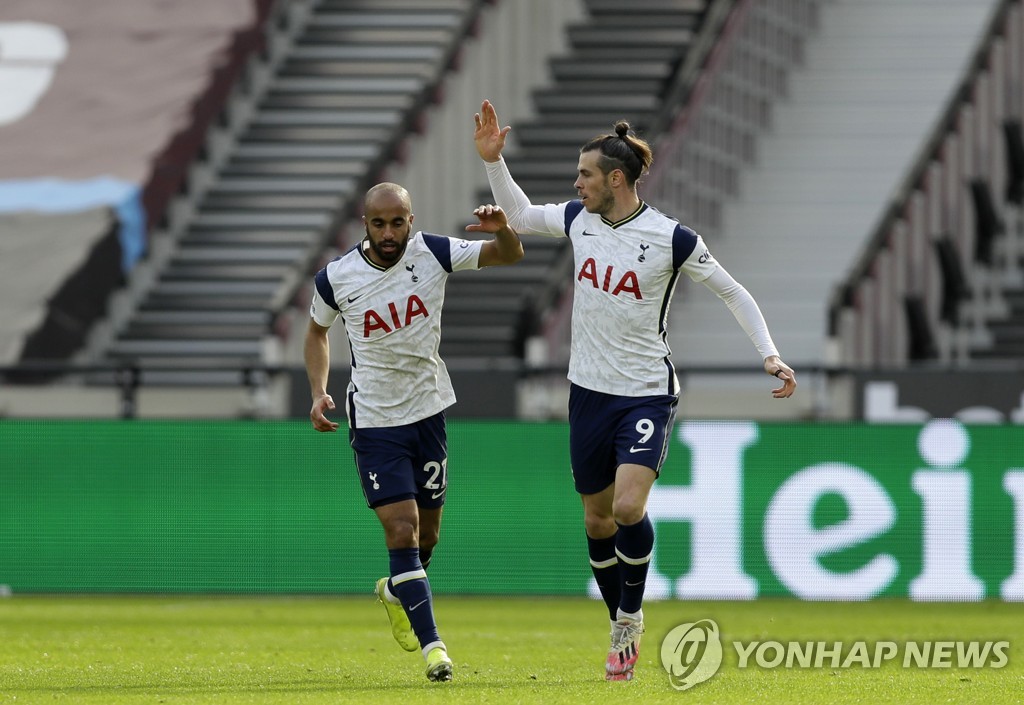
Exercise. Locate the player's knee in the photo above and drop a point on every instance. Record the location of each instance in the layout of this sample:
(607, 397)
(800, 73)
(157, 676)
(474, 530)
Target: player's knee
(599, 526)
(428, 540)
(401, 534)
(627, 511)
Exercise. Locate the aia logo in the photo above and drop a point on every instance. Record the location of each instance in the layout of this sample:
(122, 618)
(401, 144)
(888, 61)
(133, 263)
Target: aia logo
(393, 319)
(691, 653)
(627, 283)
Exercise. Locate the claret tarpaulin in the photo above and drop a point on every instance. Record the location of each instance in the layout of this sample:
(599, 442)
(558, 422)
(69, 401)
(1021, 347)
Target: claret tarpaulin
(103, 104)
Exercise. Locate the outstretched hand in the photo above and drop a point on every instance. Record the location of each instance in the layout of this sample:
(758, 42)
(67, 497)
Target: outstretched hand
(489, 138)
(774, 366)
(492, 219)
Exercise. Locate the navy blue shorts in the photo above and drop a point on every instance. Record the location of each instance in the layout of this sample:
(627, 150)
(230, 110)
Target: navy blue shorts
(403, 462)
(606, 431)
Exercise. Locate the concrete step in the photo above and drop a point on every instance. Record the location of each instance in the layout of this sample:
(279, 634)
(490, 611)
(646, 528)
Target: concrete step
(226, 272)
(177, 349)
(652, 35)
(329, 118)
(645, 7)
(305, 186)
(255, 221)
(343, 173)
(303, 137)
(172, 317)
(140, 331)
(326, 203)
(298, 238)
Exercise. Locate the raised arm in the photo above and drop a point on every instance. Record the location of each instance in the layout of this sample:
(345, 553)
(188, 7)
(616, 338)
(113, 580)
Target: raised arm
(747, 313)
(522, 215)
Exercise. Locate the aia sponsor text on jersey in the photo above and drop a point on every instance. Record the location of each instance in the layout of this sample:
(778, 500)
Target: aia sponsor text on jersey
(626, 283)
(392, 320)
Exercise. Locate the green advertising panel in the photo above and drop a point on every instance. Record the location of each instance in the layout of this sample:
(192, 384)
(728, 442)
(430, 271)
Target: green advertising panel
(831, 511)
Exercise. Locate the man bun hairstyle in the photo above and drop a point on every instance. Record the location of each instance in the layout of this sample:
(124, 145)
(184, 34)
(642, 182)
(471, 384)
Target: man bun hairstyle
(623, 151)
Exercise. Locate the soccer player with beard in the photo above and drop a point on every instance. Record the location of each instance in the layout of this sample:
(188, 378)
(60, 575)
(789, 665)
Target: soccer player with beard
(388, 290)
(624, 391)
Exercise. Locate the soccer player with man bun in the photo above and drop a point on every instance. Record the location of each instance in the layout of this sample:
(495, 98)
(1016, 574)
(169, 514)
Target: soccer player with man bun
(388, 291)
(624, 391)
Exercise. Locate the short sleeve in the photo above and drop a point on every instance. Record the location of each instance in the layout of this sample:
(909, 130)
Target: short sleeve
(465, 254)
(323, 309)
(700, 264)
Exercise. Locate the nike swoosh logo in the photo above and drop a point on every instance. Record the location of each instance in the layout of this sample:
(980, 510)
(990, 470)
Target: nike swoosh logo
(589, 234)
(437, 495)
(629, 584)
(415, 606)
(634, 449)
(351, 299)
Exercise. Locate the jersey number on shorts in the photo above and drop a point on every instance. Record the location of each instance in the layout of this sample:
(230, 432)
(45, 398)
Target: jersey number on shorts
(436, 470)
(645, 427)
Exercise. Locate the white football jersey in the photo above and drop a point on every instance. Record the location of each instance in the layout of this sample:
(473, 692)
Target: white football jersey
(625, 274)
(393, 320)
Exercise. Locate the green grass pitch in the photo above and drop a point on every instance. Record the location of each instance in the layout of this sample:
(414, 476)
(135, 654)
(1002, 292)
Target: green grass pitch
(116, 650)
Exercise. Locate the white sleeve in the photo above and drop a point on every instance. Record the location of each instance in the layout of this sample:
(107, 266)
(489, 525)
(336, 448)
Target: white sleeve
(744, 308)
(523, 216)
(322, 313)
(700, 264)
(465, 254)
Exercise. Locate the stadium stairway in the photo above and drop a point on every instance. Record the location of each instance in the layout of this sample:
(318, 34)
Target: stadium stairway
(621, 61)
(875, 79)
(354, 81)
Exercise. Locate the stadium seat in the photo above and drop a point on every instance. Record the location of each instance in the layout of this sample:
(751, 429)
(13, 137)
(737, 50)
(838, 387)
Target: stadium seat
(1012, 133)
(954, 281)
(921, 339)
(987, 223)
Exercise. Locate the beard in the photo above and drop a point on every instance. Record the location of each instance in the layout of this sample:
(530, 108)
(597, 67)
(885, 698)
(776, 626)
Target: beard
(600, 203)
(392, 254)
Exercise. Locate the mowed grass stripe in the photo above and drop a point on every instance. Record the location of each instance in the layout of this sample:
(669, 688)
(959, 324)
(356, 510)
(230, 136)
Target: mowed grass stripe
(120, 650)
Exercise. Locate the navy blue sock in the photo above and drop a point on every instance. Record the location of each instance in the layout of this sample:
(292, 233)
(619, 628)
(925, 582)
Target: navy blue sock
(605, 566)
(409, 584)
(425, 554)
(634, 545)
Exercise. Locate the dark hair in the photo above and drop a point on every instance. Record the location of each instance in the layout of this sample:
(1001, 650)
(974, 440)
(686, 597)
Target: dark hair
(623, 151)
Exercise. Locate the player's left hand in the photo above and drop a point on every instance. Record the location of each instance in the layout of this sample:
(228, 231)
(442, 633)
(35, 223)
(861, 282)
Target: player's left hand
(488, 135)
(492, 219)
(774, 366)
